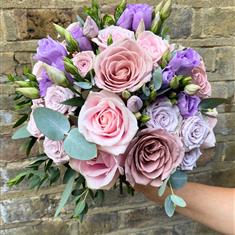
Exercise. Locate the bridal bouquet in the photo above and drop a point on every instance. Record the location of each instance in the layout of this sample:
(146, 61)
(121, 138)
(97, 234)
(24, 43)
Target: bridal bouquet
(112, 103)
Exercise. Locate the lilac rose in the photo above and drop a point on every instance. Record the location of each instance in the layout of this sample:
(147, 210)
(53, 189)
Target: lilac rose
(193, 132)
(133, 14)
(77, 33)
(163, 115)
(188, 105)
(50, 51)
(190, 158)
(183, 62)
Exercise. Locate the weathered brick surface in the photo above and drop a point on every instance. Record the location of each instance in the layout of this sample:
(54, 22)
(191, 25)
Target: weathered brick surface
(208, 26)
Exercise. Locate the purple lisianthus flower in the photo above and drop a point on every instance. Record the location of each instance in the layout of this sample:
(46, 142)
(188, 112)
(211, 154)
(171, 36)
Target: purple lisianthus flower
(167, 75)
(133, 14)
(185, 61)
(49, 51)
(163, 115)
(76, 31)
(188, 105)
(190, 159)
(44, 84)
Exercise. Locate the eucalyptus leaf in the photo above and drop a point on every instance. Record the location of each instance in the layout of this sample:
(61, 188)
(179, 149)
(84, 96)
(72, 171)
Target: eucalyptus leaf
(76, 146)
(178, 200)
(21, 133)
(52, 124)
(178, 179)
(65, 196)
(146, 90)
(157, 78)
(84, 85)
(211, 103)
(76, 101)
(169, 206)
(162, 188)
(68, 174)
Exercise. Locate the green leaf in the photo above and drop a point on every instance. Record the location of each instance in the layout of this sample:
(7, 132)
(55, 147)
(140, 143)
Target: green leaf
(76, 101)
(79, 208)
(211, 103)
(99, 196)
(119, 10)
(52, 124)
(65, 196)
(157, 78)
(21, 120)
(17, 179)
(67, 175)
(76, 146)
(169, 206)
(178, 200)
(30, 145)
(54, 174)
(34, 181)
(21, 133)
(84, 85)
(178, 179)
(42, 158)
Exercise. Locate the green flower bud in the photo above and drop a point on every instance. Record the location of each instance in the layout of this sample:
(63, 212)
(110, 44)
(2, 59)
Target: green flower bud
(30, 92)
(159, 7)
(144, 118)
(191, 89)
(166, 10)
(70, 68)
(172, 95)
(56, 75)
(185, 81)
(156, 24)
(23, 83)
(174, 83)
(110, 40)
(138, 115)
(126, 95)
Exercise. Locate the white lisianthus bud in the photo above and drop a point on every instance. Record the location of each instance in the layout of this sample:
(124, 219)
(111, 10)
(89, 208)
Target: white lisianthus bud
(140, 28)
(30, 92)
(191, 89)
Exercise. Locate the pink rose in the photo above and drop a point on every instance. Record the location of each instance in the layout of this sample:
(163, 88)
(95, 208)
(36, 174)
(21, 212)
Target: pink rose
(123, 66)
(105, 120)
(31, 127)
(100, 173)
(199, 77)
(153, 44)
(84, 62)
(55, 151)
(55, 96)
(118, 34)
(151, 156)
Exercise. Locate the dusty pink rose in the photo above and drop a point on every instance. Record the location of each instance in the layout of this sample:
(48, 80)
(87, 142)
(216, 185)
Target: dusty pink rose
(84, 61)
(31, 127)
(199, 77)
(55, 151)
(151, 156)
(105, 120)
(153, 44)
(55, 96)
(118, 34)
(123, 66)
(100, 173)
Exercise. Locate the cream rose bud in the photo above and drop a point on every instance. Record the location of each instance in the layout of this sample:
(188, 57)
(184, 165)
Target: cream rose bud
(154, 45)
(31, 127)
(55, 96)
(55, 151)
(123, 66)
(101, 172)
(118, 34)
(105, 120)
(84, 62)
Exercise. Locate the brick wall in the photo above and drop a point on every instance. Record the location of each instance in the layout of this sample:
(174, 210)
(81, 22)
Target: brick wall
(208, 26)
